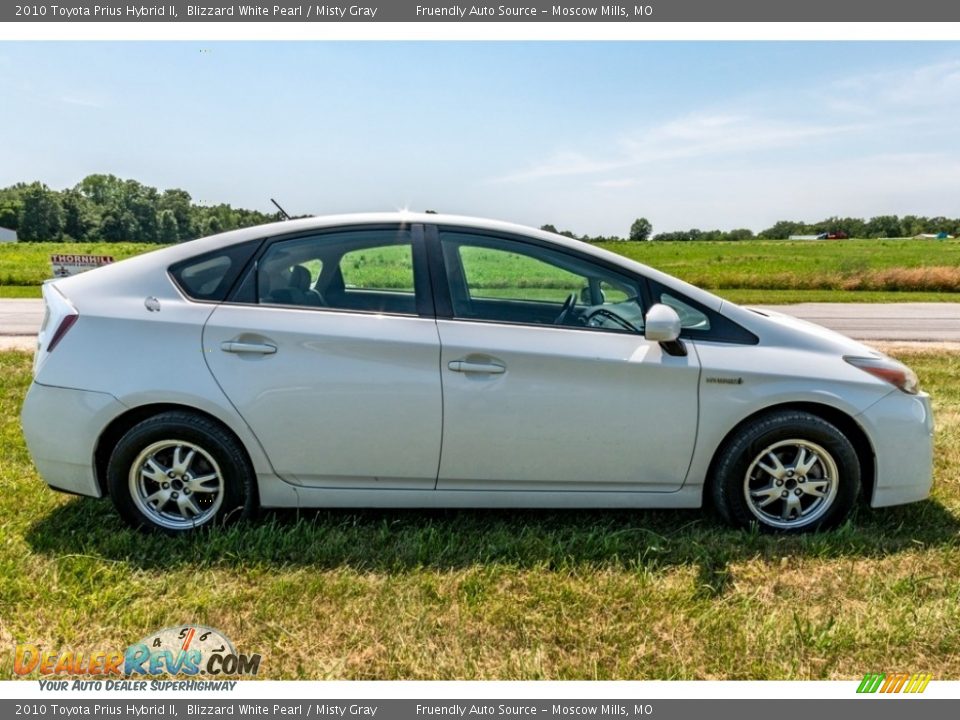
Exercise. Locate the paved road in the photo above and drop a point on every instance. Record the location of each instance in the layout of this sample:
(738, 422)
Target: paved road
(20, 317)
(917, 322)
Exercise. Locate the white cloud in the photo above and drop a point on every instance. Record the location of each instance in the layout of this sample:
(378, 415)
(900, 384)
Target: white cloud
(862, 145)
(81, 101)
(617, 183)
(688, 137)
(927, 88)
(856, 106)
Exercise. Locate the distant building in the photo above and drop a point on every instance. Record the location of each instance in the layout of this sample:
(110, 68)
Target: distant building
(807, 237)
(7, 235)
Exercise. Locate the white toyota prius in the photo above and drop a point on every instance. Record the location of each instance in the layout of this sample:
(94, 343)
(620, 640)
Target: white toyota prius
(407, 360)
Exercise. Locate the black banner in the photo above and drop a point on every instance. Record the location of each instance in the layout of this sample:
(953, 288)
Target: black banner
(514, 11)
(872, 707)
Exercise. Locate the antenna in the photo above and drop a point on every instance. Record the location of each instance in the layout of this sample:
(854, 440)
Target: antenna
(286, 215)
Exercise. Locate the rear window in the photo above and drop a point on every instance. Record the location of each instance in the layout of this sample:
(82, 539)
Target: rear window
(211, 275)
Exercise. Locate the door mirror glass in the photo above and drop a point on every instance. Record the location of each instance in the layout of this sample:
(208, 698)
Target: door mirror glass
(662, 324)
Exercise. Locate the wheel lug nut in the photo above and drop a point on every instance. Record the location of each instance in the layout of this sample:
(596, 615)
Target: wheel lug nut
(186, 491)
(802, 479)
(798, 491)
(165, 485)
(171, 474)
(779, 483)
(176, 495)
(783, 494)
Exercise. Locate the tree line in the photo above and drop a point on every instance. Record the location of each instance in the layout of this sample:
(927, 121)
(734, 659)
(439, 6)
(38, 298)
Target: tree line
(111, 209)
(107, 208)
(881, 226)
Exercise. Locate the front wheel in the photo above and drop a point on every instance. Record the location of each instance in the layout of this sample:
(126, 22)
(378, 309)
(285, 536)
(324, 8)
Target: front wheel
(787, 471)
(178, 471)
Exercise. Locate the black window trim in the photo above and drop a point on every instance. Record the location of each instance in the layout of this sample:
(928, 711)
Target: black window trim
(722, 328)
(237, 273)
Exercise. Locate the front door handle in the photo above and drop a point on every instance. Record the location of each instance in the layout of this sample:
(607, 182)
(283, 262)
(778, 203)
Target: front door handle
(466, 366)
(248, 348)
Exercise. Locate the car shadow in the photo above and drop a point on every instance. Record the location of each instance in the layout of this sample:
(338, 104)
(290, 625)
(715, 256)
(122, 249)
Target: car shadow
(401, 540)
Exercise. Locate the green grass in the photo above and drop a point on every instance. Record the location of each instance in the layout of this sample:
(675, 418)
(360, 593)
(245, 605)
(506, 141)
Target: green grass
(19, 291)
(27, 265)
(891, 265)
(753, 271)
(746, 296)
(497, 594)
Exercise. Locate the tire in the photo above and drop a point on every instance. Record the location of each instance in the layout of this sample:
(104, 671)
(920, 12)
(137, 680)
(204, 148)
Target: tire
(178, 471)
(788, 472)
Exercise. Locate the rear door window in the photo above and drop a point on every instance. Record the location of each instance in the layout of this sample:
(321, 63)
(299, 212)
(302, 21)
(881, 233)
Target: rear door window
(363, 270)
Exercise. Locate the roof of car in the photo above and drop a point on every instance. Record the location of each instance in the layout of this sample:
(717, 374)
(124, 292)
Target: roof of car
(174, 253)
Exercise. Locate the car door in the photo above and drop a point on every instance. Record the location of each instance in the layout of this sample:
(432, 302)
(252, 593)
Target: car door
(329, 351)
(548, 383)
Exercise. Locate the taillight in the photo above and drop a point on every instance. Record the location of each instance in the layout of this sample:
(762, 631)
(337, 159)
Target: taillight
(65, 325)
(59, 316)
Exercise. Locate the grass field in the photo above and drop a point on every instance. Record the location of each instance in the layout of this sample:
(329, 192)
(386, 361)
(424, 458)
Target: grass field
(838, 265)
(753, 271)
(505, 595)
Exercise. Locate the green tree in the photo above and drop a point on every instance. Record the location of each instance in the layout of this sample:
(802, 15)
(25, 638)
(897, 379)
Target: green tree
(119, 225)
(102, 190)
(640, 230)
(212, 225)
(79, 215)
(784, 229)
(739, 234)
(10, 215)
(884, 226)
(41, 217)
(180, 204)
(169, 232)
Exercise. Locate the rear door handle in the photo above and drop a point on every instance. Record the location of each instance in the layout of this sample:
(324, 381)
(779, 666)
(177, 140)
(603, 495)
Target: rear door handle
(247, 348)
(465, 366)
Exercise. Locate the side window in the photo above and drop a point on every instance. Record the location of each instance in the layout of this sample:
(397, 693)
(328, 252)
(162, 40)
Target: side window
(387, 268)
(690, 317)
(211, 275)
(360, 270)
(613, 292)
(505, 280)
(498, 273)
(701, 323)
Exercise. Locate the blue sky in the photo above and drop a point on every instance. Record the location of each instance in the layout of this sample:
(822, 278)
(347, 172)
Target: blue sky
(587, 136)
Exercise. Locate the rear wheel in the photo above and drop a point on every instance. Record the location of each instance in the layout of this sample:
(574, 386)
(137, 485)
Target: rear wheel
(788, 471)
(177, 471)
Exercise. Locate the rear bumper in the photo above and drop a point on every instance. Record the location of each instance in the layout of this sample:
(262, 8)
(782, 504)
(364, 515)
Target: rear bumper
(901, 428)
(61, 427)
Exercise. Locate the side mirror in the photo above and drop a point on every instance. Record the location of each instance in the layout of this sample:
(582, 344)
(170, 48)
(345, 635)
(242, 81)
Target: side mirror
(662, 325)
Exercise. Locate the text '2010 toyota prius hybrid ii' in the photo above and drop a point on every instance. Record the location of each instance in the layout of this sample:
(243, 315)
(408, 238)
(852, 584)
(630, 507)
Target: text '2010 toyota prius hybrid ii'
(405, 360)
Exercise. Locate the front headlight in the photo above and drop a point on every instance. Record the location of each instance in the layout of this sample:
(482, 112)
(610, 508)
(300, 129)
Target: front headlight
(888, 370)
